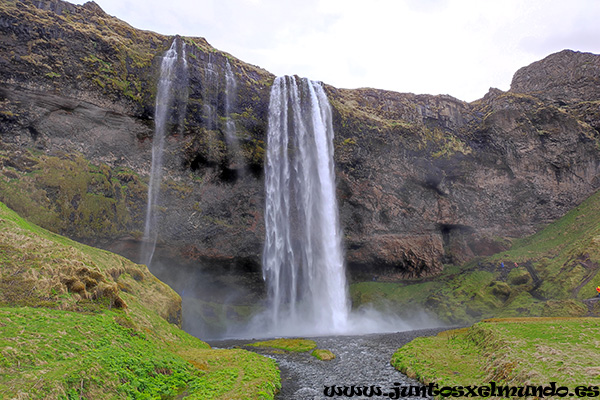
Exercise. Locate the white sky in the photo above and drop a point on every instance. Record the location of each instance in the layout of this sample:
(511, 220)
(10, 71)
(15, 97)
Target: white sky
(456, 47)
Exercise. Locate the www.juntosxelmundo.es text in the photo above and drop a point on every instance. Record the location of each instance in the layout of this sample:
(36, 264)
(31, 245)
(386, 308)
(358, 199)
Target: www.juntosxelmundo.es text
(433, 389)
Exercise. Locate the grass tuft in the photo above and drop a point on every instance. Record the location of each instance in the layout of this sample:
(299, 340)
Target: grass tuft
(296, 345)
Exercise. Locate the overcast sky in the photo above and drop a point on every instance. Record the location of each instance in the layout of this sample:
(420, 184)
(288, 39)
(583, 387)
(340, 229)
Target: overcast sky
(455, 47)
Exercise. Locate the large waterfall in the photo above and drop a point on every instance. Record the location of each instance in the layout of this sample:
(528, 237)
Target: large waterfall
(164, 103)
(303, 262)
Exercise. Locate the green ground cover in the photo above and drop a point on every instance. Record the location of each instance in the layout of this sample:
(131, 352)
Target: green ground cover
(293, 344)
(297, 345)
(78, 322)
(517, 351)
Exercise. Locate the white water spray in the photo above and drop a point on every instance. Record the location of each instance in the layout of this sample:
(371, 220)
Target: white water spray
(164, 101)
(302, 259)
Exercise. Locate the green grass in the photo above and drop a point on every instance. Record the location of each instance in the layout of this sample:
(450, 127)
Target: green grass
(322, 354)
(527, 351)
(296, 345)
(80, 322)
(67, 354)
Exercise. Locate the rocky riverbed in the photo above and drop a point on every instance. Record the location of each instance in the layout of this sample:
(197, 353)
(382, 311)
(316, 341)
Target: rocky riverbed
(360, 361)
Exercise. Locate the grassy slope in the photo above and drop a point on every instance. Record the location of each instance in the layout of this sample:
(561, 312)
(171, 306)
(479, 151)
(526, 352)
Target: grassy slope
(76, 322)
(528, 351)
(565, 255)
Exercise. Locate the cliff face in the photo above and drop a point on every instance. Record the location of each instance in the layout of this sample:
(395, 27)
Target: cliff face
(77, 94)
(422, 179)
(435, 179)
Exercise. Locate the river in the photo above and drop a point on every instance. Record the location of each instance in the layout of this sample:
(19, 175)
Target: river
(360, 361)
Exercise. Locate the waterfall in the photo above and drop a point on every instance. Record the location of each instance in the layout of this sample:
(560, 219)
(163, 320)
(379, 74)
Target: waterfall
(233, 146)
(303, 262)
(164, 102)
(210, 96)
(230, 88)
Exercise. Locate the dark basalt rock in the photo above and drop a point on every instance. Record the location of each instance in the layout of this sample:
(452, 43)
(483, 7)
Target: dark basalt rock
(422, 180)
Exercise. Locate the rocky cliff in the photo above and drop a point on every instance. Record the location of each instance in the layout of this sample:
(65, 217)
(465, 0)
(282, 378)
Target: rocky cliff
(427, 179)
(422, 180)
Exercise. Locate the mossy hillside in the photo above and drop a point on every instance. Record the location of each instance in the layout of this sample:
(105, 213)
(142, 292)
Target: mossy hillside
(40, 268)
(565, 254)
(517, 351)
(69, 195)
(564, 258)
(114, 338)
(53, 354)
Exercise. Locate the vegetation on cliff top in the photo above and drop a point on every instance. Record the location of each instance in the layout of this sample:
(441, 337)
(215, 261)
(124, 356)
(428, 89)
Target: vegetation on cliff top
(516, 352)
(79, 322)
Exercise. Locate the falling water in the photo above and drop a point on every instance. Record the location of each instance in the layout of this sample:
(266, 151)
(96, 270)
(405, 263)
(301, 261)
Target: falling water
(230, 88)
(233, 145)
(211, 90)
(164, 100)
(302, 259)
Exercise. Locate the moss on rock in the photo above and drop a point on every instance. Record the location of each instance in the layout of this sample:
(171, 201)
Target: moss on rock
(323, 355)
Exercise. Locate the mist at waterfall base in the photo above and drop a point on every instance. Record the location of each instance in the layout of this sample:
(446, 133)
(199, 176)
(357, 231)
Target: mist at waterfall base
(229, 300)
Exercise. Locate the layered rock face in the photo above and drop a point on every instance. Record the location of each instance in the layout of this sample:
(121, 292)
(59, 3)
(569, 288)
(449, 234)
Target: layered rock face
(432, 178)
(78, 90)
(421, 180)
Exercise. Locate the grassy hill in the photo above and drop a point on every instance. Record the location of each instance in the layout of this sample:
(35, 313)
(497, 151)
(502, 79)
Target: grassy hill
(516, 352)
(551, 273)
(79, 322)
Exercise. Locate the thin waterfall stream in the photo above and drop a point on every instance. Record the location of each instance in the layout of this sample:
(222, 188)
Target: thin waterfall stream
(233, 145)
(164, 102)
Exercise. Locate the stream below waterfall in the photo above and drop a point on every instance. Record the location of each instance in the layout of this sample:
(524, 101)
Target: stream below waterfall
(360, 361)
